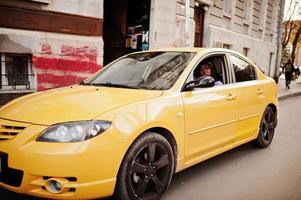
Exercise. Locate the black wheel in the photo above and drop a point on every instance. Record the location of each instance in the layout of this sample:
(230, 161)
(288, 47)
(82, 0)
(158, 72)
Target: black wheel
(266, 129)
(146, 170)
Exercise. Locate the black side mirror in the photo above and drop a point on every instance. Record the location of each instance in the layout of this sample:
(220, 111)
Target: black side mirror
(201, 82)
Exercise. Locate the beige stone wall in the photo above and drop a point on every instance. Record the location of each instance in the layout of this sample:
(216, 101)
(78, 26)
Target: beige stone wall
(92, 8)
(162, 24)
(167, 24)
(248, 25)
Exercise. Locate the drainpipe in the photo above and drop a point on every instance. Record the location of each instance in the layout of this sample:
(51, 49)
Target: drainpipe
(187, 23)
(279, 33)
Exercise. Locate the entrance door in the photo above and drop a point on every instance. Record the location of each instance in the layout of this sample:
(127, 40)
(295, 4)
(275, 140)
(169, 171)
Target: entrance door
(114, 31)
(199, 26)
(126, 27)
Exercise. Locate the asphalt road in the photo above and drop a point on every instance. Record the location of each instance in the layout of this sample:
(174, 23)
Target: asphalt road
(245, 173)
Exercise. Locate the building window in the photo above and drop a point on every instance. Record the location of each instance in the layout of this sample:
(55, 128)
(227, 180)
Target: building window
(245, 51)
(261, 14)
(227, 4)
(246, 10)
(270, 62)
(16, 72)
(226, 46)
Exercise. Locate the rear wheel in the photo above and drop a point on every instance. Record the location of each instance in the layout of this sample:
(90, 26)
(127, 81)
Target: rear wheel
(266, 129)
(146, 170)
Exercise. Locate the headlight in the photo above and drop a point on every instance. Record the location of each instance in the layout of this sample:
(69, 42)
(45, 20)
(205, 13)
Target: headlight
(74, 131)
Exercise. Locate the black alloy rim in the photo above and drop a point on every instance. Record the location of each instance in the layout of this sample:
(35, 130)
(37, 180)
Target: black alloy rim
(150, 171)
(268, 126)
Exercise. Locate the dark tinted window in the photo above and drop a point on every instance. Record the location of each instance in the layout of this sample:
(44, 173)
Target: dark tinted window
(243, 70)
(16, 68)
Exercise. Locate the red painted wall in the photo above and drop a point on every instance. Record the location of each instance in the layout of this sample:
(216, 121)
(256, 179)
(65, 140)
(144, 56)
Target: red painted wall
(70, 67)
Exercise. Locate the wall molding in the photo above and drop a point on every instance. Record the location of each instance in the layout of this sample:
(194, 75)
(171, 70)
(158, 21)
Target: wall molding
(50, 21)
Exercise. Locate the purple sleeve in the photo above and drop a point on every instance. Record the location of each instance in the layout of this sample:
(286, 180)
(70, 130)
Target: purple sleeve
(218, 83)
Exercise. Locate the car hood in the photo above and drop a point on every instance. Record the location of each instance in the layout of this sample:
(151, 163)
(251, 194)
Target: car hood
(71, 104)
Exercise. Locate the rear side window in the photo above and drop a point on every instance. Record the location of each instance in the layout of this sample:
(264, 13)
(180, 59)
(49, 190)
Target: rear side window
(243, 70)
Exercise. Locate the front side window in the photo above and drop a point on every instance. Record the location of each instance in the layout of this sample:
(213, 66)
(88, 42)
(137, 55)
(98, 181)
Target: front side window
(147, 70)
(243, 70)
(215, 68)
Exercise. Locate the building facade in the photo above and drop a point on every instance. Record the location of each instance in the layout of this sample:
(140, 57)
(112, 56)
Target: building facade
(51, 43)
(251, 27)
(47, 44)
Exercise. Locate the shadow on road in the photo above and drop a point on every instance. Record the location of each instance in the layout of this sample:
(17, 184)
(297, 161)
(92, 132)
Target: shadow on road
(211, 166)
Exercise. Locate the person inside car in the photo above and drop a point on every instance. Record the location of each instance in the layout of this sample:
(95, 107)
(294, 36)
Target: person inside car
(206, 70)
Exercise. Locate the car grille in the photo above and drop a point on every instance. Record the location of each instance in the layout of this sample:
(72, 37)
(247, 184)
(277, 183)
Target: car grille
(9, 176)
(9, 131)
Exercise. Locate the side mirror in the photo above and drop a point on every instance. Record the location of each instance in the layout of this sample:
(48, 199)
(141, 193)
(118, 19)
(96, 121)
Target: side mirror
(201, 82)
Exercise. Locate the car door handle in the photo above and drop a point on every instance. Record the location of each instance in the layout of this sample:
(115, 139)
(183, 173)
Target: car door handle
(231, 97)
(259, 91)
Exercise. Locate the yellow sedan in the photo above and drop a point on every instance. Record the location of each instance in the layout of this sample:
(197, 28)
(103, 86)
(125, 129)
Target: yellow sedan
(128, 128)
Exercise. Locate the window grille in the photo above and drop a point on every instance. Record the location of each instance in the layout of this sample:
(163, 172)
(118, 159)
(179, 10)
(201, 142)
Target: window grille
(16, 70)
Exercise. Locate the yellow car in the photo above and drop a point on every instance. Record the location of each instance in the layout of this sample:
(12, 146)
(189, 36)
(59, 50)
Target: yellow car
(128, 128)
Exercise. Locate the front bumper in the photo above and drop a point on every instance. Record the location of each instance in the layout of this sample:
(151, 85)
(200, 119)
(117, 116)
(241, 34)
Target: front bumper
(86, 169)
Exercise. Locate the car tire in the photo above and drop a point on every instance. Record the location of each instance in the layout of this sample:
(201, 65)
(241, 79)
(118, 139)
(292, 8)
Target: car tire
(266, 129)
(146, 169)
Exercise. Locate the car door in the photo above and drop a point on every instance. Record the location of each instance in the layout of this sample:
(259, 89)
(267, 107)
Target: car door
(250, 97)
(210, 119)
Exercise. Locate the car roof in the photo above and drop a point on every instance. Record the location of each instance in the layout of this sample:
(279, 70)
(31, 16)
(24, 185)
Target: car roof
(202, 50)
(190, 49)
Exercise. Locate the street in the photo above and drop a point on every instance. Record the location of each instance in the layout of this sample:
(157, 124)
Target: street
(249, 173)
(244, 173)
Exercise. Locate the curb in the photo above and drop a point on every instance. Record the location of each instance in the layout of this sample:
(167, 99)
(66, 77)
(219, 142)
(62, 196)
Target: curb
(281, 98)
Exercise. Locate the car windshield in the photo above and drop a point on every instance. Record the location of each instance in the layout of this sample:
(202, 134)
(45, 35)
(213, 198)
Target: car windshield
(147, 70)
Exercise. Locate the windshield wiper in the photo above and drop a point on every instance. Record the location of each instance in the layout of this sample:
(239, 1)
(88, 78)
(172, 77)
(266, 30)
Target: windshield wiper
(108, 84)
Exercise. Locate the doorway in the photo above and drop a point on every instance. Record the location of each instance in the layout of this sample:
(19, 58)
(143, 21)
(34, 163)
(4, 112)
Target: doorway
(126, 27)
(199, 13)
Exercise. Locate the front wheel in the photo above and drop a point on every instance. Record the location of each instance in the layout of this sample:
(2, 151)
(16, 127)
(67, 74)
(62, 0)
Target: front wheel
(146, 170)
(266, 129)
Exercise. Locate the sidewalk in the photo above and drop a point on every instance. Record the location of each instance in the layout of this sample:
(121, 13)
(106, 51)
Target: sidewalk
(284, 93)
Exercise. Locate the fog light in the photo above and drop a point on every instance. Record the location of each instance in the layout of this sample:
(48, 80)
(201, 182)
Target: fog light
(54, 186)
